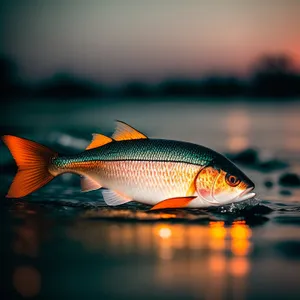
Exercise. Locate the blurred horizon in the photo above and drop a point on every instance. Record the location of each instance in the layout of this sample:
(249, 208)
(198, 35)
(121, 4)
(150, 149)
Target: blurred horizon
(113, 43)
(272, 76)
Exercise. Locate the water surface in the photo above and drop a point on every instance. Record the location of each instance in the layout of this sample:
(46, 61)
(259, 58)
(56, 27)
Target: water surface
(60, 243)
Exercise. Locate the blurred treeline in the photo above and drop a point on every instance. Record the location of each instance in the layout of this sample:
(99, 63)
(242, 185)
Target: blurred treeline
(270, 77)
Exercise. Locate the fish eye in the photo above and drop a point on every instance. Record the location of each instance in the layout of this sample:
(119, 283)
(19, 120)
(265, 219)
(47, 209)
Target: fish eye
(232, 180)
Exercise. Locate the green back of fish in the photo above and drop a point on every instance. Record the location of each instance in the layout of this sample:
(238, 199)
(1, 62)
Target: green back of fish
(148, 150)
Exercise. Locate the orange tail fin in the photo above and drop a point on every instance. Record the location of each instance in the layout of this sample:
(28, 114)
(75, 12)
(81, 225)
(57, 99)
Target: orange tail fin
(33, 162)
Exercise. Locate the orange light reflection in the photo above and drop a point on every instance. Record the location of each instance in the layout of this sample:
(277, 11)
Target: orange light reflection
(165, 232)
(240, 235)
(185, 254)
(239, 266)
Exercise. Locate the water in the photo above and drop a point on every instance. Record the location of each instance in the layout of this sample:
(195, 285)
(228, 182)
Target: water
(59, 243)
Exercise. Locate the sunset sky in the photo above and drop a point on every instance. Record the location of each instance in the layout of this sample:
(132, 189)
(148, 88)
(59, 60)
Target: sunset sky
(119, 40)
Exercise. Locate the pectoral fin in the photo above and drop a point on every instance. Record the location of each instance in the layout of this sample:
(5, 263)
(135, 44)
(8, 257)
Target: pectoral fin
(113, 198)
(88, 184)
(178, 202)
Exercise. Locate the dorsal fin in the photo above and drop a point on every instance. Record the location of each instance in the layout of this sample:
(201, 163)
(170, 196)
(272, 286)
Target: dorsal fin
(124, 131)
(98, 140)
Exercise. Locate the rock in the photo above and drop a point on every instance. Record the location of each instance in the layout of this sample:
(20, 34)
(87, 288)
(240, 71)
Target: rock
(247, 157)
(285, 193)
(257, 160)
(272, 164)
(269, 184)
(289, 179)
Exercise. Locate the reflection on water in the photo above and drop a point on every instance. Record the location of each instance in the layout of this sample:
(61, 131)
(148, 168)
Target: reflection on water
(29, 232)
(209, 260)
(237, 124)
(95, 235)
(292, 131)
(27, 281)
(240, 234)
(28, 235)
(26, 239)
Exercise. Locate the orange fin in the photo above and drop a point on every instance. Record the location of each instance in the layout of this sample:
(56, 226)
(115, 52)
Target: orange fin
(124, 131)
(98, 141)
(178, 202)
(88, 184)
(33, 162)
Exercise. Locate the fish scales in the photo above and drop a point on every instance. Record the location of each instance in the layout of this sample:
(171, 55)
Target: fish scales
(145, 170)
(144, 150)
(145, 181)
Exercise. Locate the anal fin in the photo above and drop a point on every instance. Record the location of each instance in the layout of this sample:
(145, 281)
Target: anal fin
(177, 202)
(113, 198)
(88, 184)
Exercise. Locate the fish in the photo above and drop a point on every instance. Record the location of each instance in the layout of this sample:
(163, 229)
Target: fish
(129, 166)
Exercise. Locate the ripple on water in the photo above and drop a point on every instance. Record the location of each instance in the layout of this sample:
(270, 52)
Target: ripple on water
(288, 219)
(61, 194)
(93, 207)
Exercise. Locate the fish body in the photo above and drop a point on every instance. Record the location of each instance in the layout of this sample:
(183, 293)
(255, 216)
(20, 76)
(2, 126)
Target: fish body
(130, 166)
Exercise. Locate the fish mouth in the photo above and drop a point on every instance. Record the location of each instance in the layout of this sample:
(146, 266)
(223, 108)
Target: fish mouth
(246, 194)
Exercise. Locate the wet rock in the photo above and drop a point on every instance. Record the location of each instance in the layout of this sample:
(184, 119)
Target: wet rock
(252, 158)
(289, 179)
(285, 193)
(247, 157)
(269, 184)
(272, 164)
